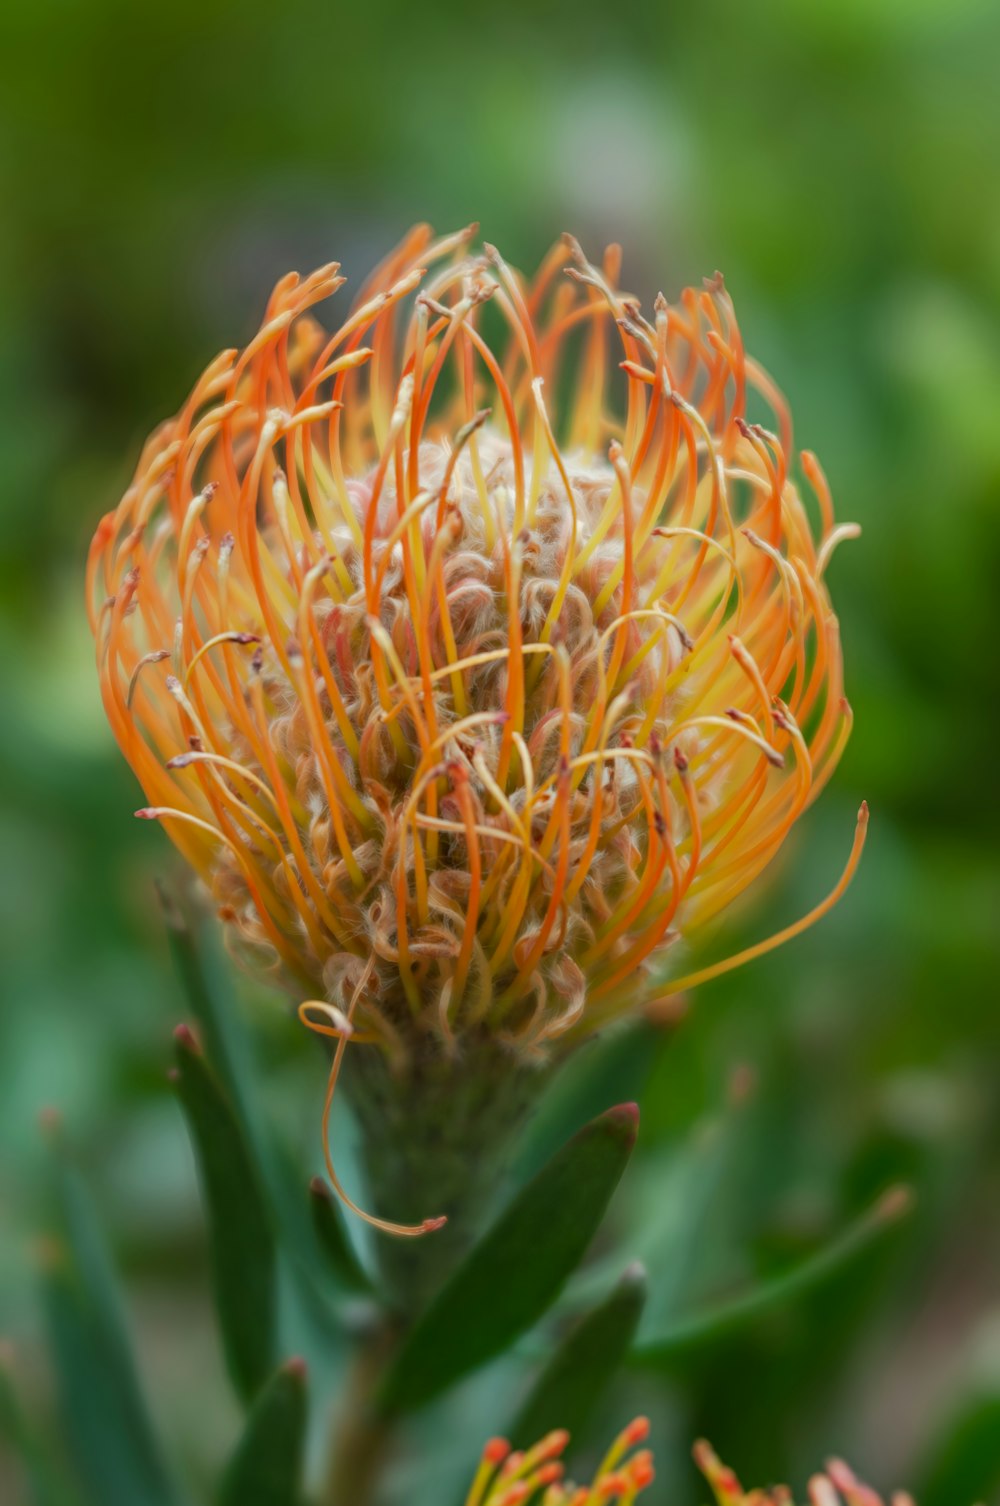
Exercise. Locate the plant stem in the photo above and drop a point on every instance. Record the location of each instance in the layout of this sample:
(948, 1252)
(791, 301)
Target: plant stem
(362, 1439)
(435, 1137)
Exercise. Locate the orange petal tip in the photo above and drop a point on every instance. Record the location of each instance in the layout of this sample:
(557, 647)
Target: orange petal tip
(636, 1432)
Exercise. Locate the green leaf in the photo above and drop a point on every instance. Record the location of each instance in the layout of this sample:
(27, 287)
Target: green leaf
(208, 989)
(964, 1464)
(242, 1244)
(45, 1487)
(333, 1240)
(98, 1280)
(89, 1327)
(513, 1275)
(266, 1468)
(576, 1377)
(729, 1317)
(106, 1423)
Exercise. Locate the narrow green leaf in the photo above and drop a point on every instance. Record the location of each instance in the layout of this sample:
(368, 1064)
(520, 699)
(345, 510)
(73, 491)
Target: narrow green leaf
(576, 1377)
(117, 1460)
(729, 1317)
(242, 1244)
(333, 1241)
(266, 1468)
(94, 1326)
(228, 1047)
(209, 992)
(98, 1279)
(45, 1486)
(513, 1275)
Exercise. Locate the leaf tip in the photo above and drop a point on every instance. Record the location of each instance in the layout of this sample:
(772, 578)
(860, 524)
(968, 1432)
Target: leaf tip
(742, 1085)
(319, 1191)
(185, 1038)
(895, 1203)
(50, 1122)
(634, 1275)
(624, 1118)
(169, 908)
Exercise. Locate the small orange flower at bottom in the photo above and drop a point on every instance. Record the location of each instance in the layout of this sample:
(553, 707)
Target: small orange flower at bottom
(535, 1477)
(839, 1486)
(511, 1478)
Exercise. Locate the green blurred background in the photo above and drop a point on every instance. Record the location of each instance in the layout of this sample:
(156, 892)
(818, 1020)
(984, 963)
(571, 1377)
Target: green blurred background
(841, 164)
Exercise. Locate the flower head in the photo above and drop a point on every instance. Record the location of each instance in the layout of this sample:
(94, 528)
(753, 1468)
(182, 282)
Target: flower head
(838, 1486)
(537, 1475)
(480, 650)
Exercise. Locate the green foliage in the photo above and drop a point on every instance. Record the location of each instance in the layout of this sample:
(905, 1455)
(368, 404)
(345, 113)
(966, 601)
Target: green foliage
(528, 1270)
(511, 1277)
(113, 1440)
(206, 979)
(206, 982)
(46, 1487)
(242, 1243)
(328, 1221)
(574, 1380)
(964, 1462)
(702, 1330)
(266, 1468)
(840, 163)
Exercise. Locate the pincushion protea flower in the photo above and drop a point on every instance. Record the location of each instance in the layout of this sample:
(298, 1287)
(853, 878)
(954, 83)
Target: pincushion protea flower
(475, 664)
(838, 1486)
(536, 1475)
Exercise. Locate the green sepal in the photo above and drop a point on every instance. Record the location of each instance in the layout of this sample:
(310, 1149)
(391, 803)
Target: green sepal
(584, 1363)
(509, 1280)
(332, 1238)
(727, 1318)
(266, 1466)
(243, 1255)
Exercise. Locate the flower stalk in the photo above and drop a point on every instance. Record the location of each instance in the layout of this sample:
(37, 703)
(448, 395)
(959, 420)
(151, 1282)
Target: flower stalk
(435, 1140)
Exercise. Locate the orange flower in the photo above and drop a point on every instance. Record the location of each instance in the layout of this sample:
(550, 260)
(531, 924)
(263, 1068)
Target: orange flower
(839, 1486)
(517, 1479)
(535, 1477)
(474, 664)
